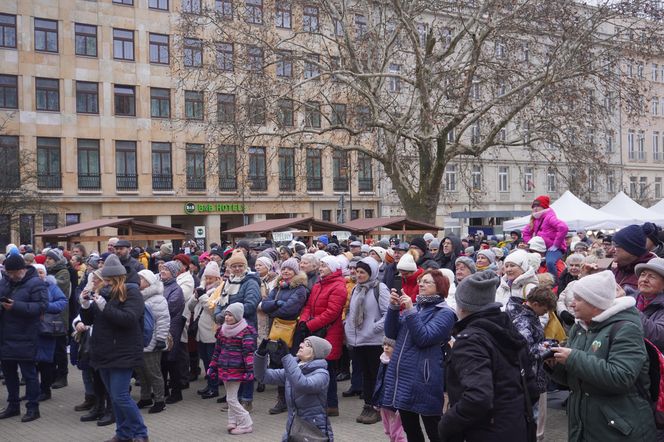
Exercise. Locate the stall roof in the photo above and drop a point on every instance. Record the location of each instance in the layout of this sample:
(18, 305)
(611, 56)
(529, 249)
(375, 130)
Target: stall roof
(309, 224)
(400, 224)
(137, 230)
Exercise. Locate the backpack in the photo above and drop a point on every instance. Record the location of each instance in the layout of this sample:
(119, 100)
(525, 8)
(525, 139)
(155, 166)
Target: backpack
(148, 326)
(656, 373)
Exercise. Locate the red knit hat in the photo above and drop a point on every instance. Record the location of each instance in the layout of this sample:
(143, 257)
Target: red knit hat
(543, 201)
(184, 259)
(40, 259)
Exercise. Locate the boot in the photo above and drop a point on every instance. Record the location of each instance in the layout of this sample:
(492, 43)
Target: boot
(280, 406)
(59, 383)
(144, 403)
(260, 388)
(109, 417)
(157, 407)
(175, 396)
(87, 403)
(95, 413)
(372, 416)
(10, 412)
(31, 415)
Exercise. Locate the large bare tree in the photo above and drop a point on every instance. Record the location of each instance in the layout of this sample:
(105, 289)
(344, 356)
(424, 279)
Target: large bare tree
(415, 84)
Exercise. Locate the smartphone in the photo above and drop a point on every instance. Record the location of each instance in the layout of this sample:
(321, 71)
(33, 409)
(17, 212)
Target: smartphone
(398, 284)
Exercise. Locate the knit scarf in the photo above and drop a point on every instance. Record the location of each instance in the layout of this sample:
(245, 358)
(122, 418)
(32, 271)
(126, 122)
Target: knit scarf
(361, 291)
(429, 299)
(642, 302)
(232, 330)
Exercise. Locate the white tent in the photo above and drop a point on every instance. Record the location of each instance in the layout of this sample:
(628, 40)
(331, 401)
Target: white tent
(623, 206)
(577, 214)
(659, 207)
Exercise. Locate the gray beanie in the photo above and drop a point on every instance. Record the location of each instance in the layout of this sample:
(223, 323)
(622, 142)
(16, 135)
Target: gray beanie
(389, 341)
(477, 291)
(320, 346)
(236, 309)
(173, 267)
(55, 254)
(113, 267)
(468, 262)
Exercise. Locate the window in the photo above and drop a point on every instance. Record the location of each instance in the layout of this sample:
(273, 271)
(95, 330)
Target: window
(256, 110)
(160, 103)
(72, 218)
(335, 66)
(284, 64)
(476, 177)
(643, 186)
(326, 215)
(368, 213)
(314, 170)
(551, 180)
(126, 177)
(475, 90)
(162, 172)
(255, 59)
(162, 5)
(225, 57)
(224, 9)
(338, 114)
(310, 19)
(631, 148)
(257, 167)
(195, 167)
(46, 35)
(610, 142)
(193, 52)
(287, 169)
(191, 6)
(655, 146)
(654, 71)
(655, 106)
(8, 31)
(451, 178)
(125, 100)
(226, 108)
(123, 44)
(592, 180)
(283, 14)
(610, 182)
(475, 133)
(124, 2)
(312, 114)
(340, 170)
(360, 25)
(89, 171)
(48, 163)
(394, 82)
(311, 64)
(503, 179)
(658, 187)
(47, 94)
(639, 70)
(26, 229)
(253, 10)
(9, 91)
(363, 116)
(87, 97)
(528, 179)
(338, 27)
(501, 49)
(286, 113)
(632, 187)
(227, 168)
(364, 173)
(86, 40)
(9, 164)
(446, 36)
(193, 105)
(159, 50)
(354, 214)
(49, 221)
(641, 152)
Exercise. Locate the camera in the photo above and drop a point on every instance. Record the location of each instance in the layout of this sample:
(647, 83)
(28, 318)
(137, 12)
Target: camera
(548, 353)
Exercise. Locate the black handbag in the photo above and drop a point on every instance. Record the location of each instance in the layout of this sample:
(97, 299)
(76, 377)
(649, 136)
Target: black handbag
(51, 324)
(193, 325)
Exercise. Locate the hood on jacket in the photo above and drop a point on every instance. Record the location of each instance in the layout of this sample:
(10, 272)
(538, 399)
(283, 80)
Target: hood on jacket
(299, 279)
(50, 280)
(55, 268)
(308, 367)
(619, 305)
(156, 288)
(529, 277)
(373, 264)
(457, 248)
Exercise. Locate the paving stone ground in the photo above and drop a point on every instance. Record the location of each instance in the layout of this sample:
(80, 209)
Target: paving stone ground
(195, 419)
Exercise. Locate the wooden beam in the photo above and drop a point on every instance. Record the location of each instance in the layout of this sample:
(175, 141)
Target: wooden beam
(136, 237)
(398, 232)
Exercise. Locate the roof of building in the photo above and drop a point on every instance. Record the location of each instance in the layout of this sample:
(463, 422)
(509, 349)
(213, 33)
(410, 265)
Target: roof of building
(393, 223)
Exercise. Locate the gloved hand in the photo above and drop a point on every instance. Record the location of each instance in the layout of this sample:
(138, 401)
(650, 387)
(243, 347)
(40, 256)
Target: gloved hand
(200, 291)
(262, 349)
(282, 350)
(566, 317)
(304, 329)
(280, 303)
(160, 345)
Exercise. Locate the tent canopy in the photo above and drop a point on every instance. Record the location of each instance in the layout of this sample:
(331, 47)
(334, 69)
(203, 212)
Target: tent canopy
(129, 228)
(309, 226)
(623, 206)
(659, 207)
(577, 214)
(392, 224)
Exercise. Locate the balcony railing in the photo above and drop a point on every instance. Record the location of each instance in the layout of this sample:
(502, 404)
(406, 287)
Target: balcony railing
(162, 181)
(89, 181)
(314, 184)
(227, 184)
(195, 183)
(126, 181)
(49, 181)
(258, 183)
(287, 184)
(340, 184)
(365, 184)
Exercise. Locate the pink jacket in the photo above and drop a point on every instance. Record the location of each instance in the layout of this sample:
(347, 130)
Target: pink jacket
(549, 228)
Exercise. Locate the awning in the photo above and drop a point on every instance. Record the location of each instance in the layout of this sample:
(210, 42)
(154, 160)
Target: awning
(129, 228)
(390, 224)
(309, 226)
(489, 213)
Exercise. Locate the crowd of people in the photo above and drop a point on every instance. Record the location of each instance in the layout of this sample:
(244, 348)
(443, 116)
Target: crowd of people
(443, 339)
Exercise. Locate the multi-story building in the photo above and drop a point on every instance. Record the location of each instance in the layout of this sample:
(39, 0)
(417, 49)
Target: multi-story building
(89, 96)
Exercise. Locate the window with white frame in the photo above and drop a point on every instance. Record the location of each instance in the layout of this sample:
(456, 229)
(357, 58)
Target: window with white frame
(550, 180)
(592, 180)
(502, 87)
(503, 179)
(451, 178)
(631, 147)
(475, 133)
(475, 91)
(658, 187)
(528, 179)
(610, 182)
(643, 186)
(632, 186)
(639, 70)
(610, 142)
(641, 147)
(654, 72)
(476, 177)
(655, 146)
(394, 83)
(654, 108)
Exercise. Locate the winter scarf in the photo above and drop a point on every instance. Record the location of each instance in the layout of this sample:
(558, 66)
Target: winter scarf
(432, 299)
(232, 330)
(361, 291)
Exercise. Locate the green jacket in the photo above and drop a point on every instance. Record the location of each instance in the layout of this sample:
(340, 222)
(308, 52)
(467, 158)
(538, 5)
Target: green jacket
(604, 403)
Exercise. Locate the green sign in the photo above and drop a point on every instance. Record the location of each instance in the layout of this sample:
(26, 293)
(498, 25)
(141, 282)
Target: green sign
(192, 208)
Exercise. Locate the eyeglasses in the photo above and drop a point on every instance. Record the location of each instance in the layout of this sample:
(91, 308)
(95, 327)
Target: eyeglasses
(427, 281)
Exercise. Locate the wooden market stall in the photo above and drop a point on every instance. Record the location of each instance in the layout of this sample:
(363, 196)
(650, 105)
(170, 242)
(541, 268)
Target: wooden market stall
(284, 228)
(391, 225)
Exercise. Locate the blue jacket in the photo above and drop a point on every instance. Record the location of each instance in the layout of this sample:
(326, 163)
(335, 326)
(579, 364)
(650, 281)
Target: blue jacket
(306, 389)
(248, 295)
(19, 327)
(175, 299)
(57, 303)
(414, 379)
(293, 298)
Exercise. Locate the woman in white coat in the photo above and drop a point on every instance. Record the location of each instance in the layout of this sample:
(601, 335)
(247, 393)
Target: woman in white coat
(518, 279)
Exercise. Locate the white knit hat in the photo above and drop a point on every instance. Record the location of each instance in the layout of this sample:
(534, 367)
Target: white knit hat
(407, 263)
(212, 269)
(380, 252)
(331, 262)
(149, 277)
(537, 244)
(429, 237)
(534, 260)
(598, 289)
(520, 258)
(320, 254)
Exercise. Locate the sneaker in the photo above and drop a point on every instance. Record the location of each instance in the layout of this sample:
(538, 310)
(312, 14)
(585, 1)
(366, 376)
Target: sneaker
(231, 426)
(351, 393)
(372, 416)
(158, 407)
(333, 411)
(360, 419)
(144, 403)
(343, 377)
(241, 430)
(210, 394)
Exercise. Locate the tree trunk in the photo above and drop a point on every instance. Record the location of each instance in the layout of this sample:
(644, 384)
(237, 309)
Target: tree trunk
(421, 206)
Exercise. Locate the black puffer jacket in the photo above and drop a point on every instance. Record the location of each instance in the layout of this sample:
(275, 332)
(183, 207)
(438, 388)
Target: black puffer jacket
(484, 381)
(117, 339)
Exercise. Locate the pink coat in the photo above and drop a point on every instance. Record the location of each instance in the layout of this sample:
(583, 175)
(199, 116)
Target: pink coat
(551, 229)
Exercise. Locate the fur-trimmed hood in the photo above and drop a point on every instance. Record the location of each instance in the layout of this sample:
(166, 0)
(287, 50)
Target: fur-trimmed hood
(298, 280)
(619, 305)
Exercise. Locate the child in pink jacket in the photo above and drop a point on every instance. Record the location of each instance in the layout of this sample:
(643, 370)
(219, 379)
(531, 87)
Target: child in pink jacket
(545, 224)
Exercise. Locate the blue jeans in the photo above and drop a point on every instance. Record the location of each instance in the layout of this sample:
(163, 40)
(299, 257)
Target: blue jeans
(29, 372)
(552, 257)
(128, 420)
(246, 392)
(205, 352)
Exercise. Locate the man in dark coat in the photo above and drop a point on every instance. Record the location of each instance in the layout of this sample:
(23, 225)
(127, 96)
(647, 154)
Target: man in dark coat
(56, 265)
(123, 251)
(487, 401)
(23, 298)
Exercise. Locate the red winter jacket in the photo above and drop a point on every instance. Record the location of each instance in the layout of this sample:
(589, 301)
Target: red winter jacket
(409, 284)
(324, 307)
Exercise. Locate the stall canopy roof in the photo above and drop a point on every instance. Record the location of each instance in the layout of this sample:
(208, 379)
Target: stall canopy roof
(309, 224)
(400, 224)
(135, 230)
(624, 206)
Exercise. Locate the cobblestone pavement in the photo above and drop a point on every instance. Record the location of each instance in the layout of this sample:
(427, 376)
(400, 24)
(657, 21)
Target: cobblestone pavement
(195, 419)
